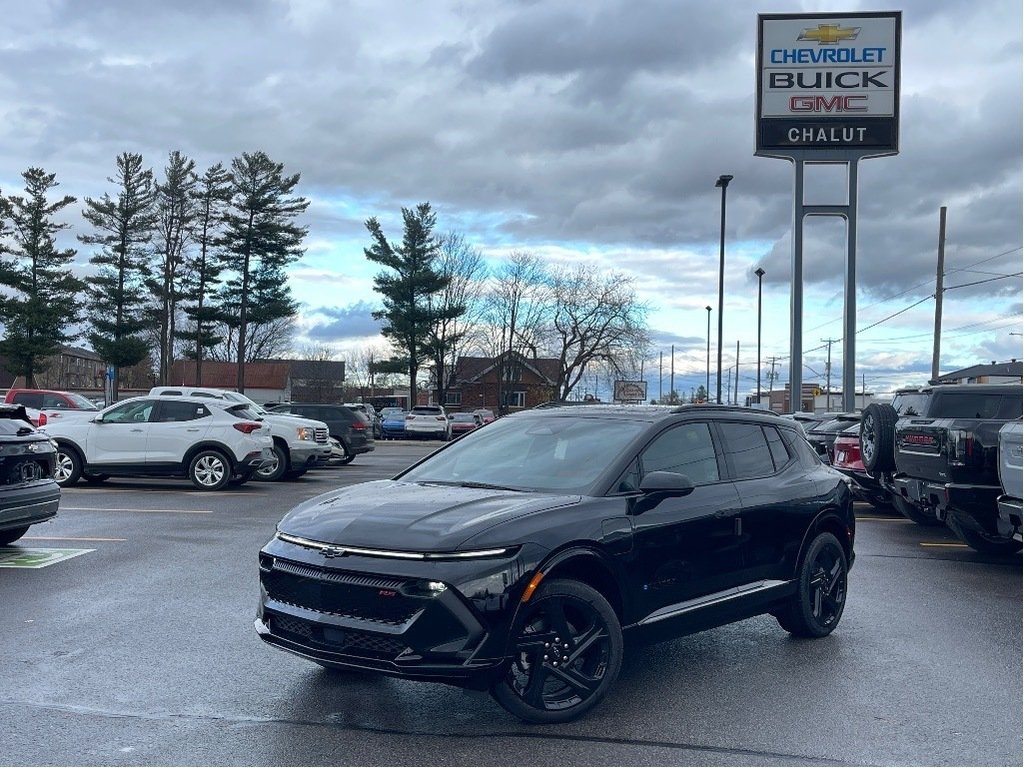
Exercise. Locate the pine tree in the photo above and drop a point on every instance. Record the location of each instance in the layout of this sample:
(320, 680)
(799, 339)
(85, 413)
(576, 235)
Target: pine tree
(407, 290)
(261, 239)
(203, 269)
(175, 210)
(44, 300)
(124, 228)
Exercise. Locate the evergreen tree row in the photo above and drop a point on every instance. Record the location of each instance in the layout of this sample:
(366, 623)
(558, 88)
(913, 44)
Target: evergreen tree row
(191, 262)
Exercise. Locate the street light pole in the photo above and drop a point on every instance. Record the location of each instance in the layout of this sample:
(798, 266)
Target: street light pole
(760, 273)
(723, 182)
(707, 379)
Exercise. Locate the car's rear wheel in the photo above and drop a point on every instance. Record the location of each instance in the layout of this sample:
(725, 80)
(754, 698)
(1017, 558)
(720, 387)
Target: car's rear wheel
(817, 606)
(209, 470)
(878, 437)
(567, 651)
(67, 466)
(276, 470)
(911, 511)
(12, 534)
(985, 543)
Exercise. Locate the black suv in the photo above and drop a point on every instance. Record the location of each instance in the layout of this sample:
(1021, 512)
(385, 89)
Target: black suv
(353, 429)
(28, 492)
(516, 558)
(939, 456)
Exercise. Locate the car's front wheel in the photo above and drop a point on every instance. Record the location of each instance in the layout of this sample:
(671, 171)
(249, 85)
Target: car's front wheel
(209, 470)
(276, 470)
(67, 466)
(12, 534)
(817, 606)
(567, 651)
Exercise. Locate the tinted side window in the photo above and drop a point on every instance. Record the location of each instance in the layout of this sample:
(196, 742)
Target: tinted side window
(29, 399)
(778, 448)
(1010, 407)
(799, 447)
(181, 411)
(687, 449)
(973, 405)
(747, 450)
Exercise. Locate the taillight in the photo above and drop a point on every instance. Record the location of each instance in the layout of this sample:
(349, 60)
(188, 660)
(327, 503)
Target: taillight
(42, 420)
(248, 427)
(960, 447)
(358, 425)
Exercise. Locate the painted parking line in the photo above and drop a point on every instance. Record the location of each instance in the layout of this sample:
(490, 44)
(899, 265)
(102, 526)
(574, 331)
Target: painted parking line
(138, 509)
(36, 557)
(67, 538)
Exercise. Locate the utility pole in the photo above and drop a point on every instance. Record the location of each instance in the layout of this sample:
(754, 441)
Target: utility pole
(828, 374)
(728, 386)
(736, 396)
(672, 376)
(938, 292)
(771, 376)
(661, 381)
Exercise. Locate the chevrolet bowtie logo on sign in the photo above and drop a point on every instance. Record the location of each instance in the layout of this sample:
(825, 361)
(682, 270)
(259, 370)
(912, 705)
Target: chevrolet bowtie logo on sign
(829, 34)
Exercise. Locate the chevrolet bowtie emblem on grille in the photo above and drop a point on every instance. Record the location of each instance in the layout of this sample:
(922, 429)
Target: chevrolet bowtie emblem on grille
(333, 552)
(829, 34)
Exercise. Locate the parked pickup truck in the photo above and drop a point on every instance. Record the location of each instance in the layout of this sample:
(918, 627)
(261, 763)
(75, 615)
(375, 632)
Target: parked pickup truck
(299, 443)
(947, 460)
(1011, 477)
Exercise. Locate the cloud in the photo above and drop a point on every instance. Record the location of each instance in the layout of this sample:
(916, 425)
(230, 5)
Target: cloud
(336, 324)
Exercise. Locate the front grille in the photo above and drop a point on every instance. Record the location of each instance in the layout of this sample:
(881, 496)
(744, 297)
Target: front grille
(322, 434)
(352, 642)
(339, 593)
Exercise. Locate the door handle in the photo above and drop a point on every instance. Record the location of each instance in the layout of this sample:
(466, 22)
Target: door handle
(136, 430)
(192, 429)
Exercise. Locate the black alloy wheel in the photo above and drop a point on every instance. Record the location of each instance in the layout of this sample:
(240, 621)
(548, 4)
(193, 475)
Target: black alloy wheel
(911, 511)
(878, 437)
(12, 534)
(567, 651)
(817, 606)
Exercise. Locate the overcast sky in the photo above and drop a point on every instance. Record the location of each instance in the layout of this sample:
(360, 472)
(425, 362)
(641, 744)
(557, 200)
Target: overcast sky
(587, 132)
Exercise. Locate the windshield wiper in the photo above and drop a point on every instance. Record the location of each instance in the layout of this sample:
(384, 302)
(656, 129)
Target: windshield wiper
(471, 484)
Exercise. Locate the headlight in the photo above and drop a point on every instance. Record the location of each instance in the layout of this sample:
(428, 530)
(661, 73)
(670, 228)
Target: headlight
(305, 433)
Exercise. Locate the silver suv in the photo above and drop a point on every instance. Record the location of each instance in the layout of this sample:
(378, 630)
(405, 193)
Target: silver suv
(299, 443)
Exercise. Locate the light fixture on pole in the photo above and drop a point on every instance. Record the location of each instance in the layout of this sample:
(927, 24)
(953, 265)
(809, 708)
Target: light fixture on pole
(707, 379)
(723, 182)
(760, 273)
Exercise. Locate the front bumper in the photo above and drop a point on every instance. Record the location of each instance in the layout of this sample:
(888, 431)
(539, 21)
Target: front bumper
(306, 455)
(332, 611)
(29, 504)
(1010, 517)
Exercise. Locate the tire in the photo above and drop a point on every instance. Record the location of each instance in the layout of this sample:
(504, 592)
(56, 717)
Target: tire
(12, 535)
(878, 437)
(561, 613)
(985, 543)
(348, 458)
(209, 470)
(92, 479)
(817, 606)
(276, 470)
(911, 511)
(67, 466)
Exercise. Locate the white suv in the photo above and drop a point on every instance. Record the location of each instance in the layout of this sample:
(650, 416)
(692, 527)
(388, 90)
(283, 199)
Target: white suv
(212, 443)
(428, 420)
(299, 443)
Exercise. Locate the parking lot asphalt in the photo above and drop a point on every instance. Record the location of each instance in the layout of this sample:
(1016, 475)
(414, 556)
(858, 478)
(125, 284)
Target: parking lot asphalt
(140, 650)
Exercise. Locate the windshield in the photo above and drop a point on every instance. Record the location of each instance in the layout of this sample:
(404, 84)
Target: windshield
(565, 454)
(82, 403)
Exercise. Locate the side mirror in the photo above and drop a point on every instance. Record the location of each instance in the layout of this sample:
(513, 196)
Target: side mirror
(97, 419)
(666, 484)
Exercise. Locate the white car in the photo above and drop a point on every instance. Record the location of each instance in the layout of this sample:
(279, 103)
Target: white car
(299, 443)
(210, 442)
(428, 421)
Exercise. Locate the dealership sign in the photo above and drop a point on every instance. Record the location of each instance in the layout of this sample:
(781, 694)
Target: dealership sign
(828, 82)
(630, 391)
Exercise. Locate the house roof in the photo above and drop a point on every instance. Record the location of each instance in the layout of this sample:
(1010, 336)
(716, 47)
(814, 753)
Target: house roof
(470, 369)
(1014, 368)
(221, 375)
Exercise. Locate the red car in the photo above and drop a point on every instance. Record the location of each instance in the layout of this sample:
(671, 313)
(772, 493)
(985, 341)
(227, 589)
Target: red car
(50, 403)
(847, 459)
(465, 422)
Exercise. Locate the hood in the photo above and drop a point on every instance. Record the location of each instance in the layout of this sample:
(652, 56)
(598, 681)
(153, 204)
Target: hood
(391, 514)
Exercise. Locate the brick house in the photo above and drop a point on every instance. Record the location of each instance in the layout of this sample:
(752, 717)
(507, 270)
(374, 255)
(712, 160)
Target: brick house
(475, 381)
